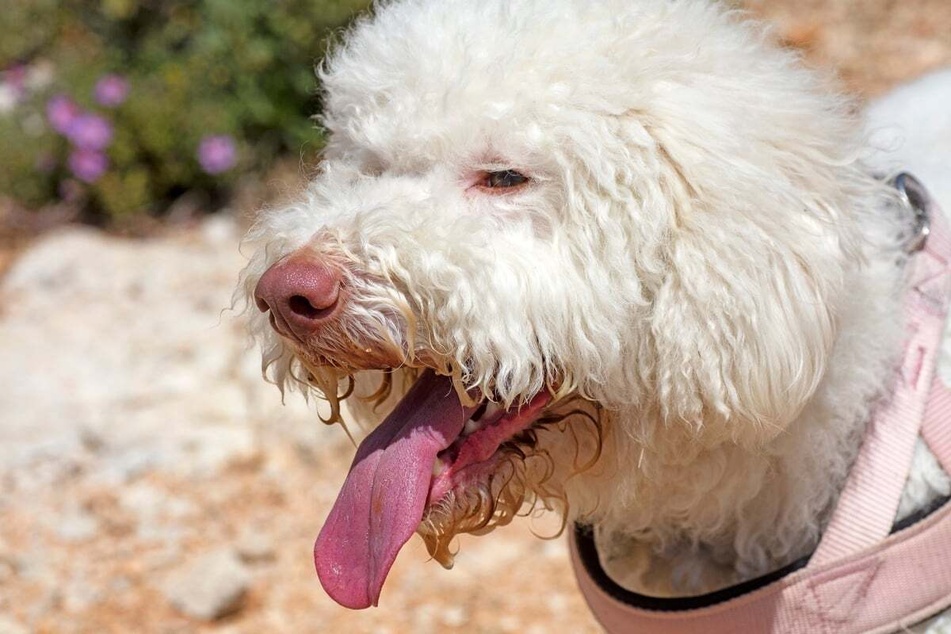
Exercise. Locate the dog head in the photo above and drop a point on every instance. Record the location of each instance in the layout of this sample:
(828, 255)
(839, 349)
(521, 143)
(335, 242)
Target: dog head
(573, 224)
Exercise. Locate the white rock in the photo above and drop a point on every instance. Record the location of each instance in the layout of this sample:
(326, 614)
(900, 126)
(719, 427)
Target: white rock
(9, 626)
(210, 587)
(152, 369)
(255, 547)
(424, 618)
(79, 596)
(76, 526)
(455, 616)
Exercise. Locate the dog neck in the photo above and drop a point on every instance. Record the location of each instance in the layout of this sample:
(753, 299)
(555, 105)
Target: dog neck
(699, 518)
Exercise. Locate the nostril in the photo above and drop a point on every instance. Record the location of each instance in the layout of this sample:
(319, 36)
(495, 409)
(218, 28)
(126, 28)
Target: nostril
(303, 307)
(262, 304)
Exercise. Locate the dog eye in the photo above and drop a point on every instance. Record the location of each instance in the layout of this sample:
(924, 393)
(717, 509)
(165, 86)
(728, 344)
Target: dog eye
(503, 179)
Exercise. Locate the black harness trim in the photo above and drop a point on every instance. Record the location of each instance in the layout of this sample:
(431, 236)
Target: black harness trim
(588, 555)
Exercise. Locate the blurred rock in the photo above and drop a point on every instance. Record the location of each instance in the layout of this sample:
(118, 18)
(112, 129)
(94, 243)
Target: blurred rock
(209, 587)
(79, 596)
(9, 626)
(128, 350)
(255, 547)
(76, 526)
(455, 616)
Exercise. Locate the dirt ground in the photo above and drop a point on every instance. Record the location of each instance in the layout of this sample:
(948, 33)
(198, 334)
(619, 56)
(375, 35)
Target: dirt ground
(871, 44)
(81, 551)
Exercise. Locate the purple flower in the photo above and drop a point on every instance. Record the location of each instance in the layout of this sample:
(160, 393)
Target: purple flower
(89, 132)
(111, 90)
(88, 165)
(60, 111)
(217, 154)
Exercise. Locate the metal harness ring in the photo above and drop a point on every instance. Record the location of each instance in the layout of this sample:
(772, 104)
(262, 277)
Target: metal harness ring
(915, 199)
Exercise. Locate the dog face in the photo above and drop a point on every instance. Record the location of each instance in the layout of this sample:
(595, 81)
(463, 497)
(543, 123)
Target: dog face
(577, 215)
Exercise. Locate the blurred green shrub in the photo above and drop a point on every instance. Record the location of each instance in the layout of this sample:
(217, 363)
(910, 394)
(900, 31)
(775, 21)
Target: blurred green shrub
(123, 105)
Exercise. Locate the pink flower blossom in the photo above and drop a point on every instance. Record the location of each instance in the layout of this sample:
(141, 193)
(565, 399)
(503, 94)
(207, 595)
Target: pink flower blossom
(111, 90)
(88, 165)
(14, 78)
(217, 153)
(60, 112)
(89, 132)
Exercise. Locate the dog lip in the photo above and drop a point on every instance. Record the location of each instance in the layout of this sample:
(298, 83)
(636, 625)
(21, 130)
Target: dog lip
(470, 451)
(356, 357)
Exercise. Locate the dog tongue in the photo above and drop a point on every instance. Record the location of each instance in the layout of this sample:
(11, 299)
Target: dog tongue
(383, 498)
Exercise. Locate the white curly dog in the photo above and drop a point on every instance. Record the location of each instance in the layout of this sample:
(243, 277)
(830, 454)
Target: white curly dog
(622, 259)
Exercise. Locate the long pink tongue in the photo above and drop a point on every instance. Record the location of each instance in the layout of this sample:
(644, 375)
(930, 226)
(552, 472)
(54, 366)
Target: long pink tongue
(382, 500)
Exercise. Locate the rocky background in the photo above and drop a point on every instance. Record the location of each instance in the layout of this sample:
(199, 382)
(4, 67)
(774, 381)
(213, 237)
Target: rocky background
(151, 481)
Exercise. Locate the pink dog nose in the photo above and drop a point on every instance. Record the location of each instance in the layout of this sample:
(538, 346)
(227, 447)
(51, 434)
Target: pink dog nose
(301, 291)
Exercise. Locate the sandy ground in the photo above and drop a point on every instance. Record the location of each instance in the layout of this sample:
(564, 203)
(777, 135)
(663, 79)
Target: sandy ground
(870, 44)
(139, 448)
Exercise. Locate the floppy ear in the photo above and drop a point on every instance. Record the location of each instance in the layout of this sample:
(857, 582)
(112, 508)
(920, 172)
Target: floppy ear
(763, 200)
(741, 328)
(739, 220)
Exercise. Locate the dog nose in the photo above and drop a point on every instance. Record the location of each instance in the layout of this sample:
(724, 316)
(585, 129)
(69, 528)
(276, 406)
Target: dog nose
(301, 291)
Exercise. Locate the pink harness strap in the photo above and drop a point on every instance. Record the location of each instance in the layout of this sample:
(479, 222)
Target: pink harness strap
(904, 580)
(937, 436)
(860, 579)
(867, 505)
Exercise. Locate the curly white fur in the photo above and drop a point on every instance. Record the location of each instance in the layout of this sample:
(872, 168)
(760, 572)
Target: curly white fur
(700, 252)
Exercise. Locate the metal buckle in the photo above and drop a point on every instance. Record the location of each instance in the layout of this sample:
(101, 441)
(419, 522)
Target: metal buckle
(915, 199)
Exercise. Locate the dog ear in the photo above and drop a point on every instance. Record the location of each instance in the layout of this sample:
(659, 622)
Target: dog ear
(742, 323)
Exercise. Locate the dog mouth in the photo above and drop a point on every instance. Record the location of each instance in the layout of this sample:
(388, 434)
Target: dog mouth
(430, 445)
